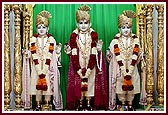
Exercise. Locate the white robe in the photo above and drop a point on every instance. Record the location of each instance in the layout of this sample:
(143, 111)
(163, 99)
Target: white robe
(52, 78)
(84, 62)
(116, 78)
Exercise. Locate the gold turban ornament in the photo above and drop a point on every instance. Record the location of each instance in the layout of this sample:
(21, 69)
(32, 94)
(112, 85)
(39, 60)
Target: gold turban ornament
(83, 13)
(126, 18)
(42, 18)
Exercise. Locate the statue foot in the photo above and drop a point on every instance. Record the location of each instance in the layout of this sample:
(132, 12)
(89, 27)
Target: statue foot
(79, 108)
(122, 108)
(45, 108)
(130, 108)
(89, 108)
(38, 108)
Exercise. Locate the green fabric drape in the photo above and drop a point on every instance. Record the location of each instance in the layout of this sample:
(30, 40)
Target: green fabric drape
(104, 19)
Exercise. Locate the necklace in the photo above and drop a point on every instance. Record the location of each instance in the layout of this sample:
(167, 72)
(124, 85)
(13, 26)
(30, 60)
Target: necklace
(80, 38)
(126, 71)
(86, 49)
(40, 54)
(99, 65)
(125, 49)
(90, 45)
(126, 54)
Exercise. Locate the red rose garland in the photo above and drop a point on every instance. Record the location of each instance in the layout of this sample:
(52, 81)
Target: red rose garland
(127, 84)
(75, 58)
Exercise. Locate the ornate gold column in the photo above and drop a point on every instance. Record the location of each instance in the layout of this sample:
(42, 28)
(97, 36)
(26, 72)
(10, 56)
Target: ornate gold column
(149, 57)
(160, 55)
(142, 26)
(27, 34)
(17, 57)
(26, 29)
(26, 63)
(7, 65)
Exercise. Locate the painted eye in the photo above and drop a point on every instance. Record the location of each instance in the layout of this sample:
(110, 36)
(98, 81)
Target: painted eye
(128, 27)
(38, 27)
(80, 23)
(86, 22)
(123, 27)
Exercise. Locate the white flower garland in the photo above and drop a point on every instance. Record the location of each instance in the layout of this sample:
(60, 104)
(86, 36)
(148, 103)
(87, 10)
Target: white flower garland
(134, 57)
(40, 68)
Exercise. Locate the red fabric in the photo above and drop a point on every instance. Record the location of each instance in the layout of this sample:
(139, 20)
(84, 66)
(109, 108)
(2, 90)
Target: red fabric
(101, 93)
(74, 88)
(73, 92)
(74, 82)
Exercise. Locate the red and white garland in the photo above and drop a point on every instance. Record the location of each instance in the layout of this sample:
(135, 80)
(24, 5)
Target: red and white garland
(47, 53)
(127, 73)
(83, 72)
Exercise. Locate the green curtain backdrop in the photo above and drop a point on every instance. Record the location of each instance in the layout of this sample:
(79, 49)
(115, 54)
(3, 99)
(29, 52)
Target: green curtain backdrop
(104, 19)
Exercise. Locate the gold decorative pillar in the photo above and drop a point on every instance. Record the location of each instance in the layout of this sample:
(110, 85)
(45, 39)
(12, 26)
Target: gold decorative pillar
(27, 34)
(160, 55)
(17, 57)
(26, 29)
(7, 65)
(30, 10)
(149, 56)
(26, 63)
(141, 25)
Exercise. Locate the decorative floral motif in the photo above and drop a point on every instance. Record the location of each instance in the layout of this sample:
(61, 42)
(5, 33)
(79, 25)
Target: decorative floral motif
(40, 68)
(127, 72)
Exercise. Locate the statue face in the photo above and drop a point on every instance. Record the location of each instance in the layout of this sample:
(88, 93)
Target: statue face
(83, 25)
(42, 29)
(125, 30)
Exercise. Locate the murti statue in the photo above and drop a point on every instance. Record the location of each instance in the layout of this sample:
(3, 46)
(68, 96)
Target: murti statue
(87, 70)
(44, 55)
(123, 56)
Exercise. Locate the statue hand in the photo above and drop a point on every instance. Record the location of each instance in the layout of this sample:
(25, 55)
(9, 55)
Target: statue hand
(67, 49)
(108, 55)
(58, 48)
(26, 53)
(99, 45)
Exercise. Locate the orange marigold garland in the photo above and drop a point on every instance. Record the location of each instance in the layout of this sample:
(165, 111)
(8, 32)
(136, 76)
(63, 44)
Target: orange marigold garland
(41, 83)
(127, 83)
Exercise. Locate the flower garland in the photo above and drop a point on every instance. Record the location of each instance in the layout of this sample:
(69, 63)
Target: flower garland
(127, 83)
(83, 72)
(40, 68)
